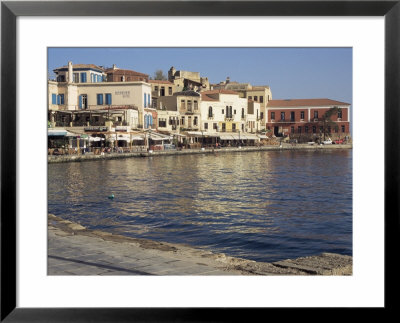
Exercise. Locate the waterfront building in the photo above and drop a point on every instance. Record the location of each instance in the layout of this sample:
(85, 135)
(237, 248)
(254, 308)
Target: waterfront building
(259, 93)
(101, 100)
(116, 74)
(253, 120)
(186, 80)
(187, 106)
(304, 118)
(160, 88)
(223, 111)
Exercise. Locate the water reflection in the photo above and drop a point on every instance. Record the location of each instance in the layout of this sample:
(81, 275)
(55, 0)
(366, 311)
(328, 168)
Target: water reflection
(261, 205)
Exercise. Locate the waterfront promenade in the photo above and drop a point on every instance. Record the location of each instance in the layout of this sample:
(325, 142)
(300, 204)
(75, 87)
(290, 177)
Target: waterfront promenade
(76, 250)
(285, 146)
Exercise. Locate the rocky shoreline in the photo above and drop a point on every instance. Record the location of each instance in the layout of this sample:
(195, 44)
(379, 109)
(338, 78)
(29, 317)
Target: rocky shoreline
(159, 255)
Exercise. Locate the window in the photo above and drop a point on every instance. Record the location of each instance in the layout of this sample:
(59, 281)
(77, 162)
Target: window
(223, 126)
(242, 113)
(261, 115)
(83, 77)
(255, 98)
(261, 99)
(250, 97)
(272, 115)
(195, 121)
(234, 111)
(292, 116)
(314, 129)
(148, 100)
(282, 115)
(182, 104)
(99, 99)
(108, 99)
(215, 126)
(210, 112)
(315, 114)
(302, 115)
(96, 119)
(162, 123)
(339, 114)
(156, 88)
(233, 127)
(54, 98)
(206, 125)
(306, 129)
(299, 129)
(292, 129)
(189, 105)
(343, 129)
(196, 106)
(60, 99)
(222, 111)
(145, 99)
(183, 121)
(336, 128)
(170, 90)
(76, 77)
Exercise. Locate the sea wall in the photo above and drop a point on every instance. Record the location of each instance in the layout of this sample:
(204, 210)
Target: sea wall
(88, 157)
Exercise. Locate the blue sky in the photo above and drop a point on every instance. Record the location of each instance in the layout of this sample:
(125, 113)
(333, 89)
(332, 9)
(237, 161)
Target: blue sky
(292, 73)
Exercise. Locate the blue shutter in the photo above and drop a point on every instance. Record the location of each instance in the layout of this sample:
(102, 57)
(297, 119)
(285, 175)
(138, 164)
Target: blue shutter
(53, 99)
(83, 77)
(99, 99)
(80, 102)
(148, 100)
(61, 98)
(58, 99)
(108, 99)
(145, 100)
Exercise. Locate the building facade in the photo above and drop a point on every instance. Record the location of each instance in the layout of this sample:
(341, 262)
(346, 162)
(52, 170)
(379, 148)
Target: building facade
(305, 118)
(102, 97)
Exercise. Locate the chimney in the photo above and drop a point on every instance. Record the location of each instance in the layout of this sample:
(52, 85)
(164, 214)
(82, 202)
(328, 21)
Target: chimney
(114, 67)
(70, 73)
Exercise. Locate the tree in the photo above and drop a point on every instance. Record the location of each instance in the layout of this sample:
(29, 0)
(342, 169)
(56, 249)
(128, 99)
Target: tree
(159, 75)
(326, 122)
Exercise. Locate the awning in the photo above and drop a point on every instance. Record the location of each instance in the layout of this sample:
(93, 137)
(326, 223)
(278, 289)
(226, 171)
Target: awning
(57, 132)
(252, 137)
(225, 137)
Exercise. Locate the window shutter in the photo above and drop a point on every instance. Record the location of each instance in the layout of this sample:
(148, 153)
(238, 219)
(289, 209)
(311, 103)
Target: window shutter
(145, 104)
(83, 77)
(80, 102)
(99, 99)
(53, 99)
(108, 99)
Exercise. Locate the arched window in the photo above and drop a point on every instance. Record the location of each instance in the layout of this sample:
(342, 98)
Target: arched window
(210, 111)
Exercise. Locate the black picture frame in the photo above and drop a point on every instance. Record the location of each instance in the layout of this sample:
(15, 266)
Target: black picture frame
(10, 10)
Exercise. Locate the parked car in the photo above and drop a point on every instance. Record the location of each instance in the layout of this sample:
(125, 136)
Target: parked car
(327, 142)
(338, 142)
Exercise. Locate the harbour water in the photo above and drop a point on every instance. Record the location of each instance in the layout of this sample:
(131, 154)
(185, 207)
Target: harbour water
(263, 205)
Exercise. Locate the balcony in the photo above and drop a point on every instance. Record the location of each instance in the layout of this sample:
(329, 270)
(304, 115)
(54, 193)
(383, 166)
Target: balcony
(229, 119)
(210, 117)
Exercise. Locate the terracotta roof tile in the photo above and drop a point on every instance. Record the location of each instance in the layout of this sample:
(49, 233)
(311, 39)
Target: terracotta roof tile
(304, 103)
